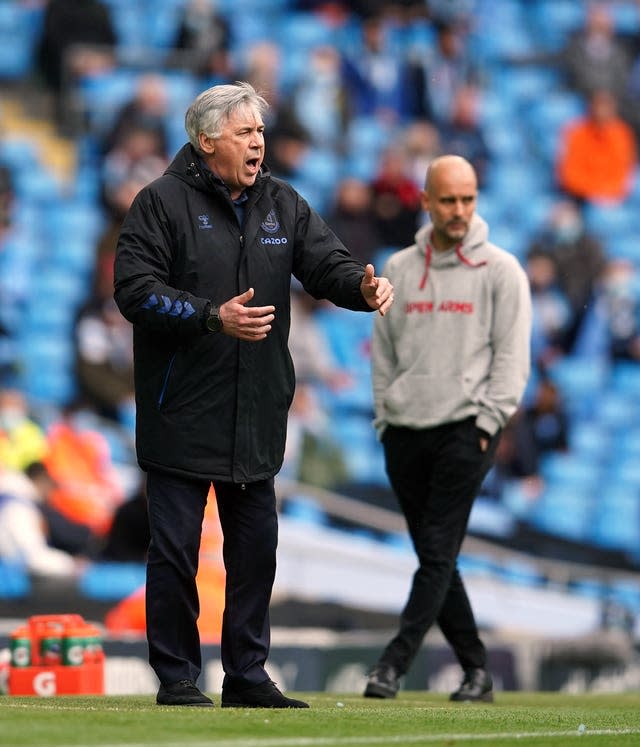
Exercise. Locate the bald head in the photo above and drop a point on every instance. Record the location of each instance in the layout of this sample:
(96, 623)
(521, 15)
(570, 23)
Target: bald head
(449, 168)
(449, 196)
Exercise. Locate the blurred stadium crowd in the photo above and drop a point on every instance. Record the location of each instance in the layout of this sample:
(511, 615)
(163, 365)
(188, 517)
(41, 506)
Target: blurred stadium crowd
(542, 97)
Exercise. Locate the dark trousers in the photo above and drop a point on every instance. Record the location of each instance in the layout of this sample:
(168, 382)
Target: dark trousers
(436, 473)
(250, 530)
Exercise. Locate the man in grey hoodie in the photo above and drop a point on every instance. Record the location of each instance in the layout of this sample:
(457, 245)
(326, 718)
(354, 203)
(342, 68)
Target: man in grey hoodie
(450, 365)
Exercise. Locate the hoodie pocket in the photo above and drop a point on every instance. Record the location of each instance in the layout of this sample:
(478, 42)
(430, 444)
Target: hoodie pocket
(424, 399)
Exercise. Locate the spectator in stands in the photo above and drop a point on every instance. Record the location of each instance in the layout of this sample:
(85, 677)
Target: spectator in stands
(396, 198)
(8, 353)
(578, 254)
(62, 533)
(148, 110)
(319, 98)
(23, 529)
(421, 142)
(88, 487)
(439, 76)
(140, 156)
(127, 540)
(22, 439)
(204, 39)
(7, 199)
(617, 306)
(289, 142)
(311, 453)
(353, 220)
(552, 313)
(77, 39)
(450, 365)
(546, 418)
(463, 134)
(597, 153)
(261, 66)
(377, 80)
(595, 56)
(516, 461)
(104, 360)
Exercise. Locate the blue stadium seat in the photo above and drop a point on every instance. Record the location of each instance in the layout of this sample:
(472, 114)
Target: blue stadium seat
(554, 20)
(619, 530)
(14, 580)
(111, 581)
(306, 510)
(571, 470)
(19, 32)
(565, 510)
(581, 381)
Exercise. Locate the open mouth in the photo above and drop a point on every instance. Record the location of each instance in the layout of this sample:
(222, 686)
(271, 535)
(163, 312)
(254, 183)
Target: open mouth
(253, 164)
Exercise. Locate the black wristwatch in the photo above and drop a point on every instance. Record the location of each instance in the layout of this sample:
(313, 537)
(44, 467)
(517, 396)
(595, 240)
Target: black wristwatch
(214, 323)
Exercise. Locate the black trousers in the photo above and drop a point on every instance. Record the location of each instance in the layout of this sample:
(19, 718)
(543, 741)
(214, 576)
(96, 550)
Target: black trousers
(436, 474)
(249, 525)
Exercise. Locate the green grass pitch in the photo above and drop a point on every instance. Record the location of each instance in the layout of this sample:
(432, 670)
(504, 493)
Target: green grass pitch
(411, 720)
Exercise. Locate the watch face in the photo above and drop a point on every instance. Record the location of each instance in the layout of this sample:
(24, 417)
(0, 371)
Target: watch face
(214, 323)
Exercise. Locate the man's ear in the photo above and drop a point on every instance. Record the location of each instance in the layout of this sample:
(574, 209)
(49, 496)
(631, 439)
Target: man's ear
(207, 144)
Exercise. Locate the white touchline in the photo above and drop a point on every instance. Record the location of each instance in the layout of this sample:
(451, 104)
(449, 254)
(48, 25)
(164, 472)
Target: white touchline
(401, 739)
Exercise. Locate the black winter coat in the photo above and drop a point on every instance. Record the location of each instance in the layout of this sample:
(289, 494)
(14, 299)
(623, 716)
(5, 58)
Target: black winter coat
(208, 405)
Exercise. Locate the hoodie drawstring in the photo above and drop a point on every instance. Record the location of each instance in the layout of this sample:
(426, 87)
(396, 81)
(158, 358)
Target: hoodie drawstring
(459, 255)
(466, 261)
(427, 263)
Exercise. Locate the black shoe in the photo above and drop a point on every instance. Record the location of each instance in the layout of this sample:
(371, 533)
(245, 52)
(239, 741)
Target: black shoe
(264, 695)
(383, 682)
(476, 686)
(183, 693)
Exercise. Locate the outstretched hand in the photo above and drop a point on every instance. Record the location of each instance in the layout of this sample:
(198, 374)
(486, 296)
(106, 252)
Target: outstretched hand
(246, 322)
(377, 292)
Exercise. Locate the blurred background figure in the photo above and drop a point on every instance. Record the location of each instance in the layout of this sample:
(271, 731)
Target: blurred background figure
(352, 218)
(104, 360)
(77, 38)
(396, 198)
(612, 330)
(595, 57)
(311, 454)
(552, 317)
(597, 154)
(8, 352)
(579, 256)
(319, 100)
(462, 133)
(441, 73)
(24, 533)
(22, 439)
(421, 141)
(147, 110)
(88, 486)
(377, 80)
(204, 40)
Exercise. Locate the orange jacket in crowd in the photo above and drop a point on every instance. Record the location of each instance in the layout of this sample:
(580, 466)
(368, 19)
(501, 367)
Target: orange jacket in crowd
(88, 489)
(597, 159)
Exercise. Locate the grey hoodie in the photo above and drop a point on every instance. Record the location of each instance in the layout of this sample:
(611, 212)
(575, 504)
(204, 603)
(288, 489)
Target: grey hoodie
(456, 342)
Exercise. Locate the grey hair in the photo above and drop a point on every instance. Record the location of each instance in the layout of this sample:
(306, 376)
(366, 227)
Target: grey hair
(211, 109)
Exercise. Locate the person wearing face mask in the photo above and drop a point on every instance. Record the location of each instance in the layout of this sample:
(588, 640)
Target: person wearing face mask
(450, 364)
(579, 256)
(22, 439)
(203, 271)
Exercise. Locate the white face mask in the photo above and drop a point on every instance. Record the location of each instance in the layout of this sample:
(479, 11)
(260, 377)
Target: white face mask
(11, 417)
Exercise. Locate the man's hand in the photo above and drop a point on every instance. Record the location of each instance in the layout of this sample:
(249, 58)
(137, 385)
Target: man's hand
(377, 292)
(246, 322)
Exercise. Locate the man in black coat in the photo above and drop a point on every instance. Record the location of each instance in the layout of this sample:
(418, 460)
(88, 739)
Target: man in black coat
(203, 271)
